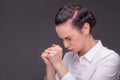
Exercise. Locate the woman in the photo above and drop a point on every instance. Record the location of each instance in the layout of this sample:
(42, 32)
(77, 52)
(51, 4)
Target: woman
(87, 58)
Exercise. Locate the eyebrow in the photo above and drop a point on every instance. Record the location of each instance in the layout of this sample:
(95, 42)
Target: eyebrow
(64, 38)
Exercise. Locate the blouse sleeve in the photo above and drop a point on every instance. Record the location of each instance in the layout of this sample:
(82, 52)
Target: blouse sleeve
(68, 76)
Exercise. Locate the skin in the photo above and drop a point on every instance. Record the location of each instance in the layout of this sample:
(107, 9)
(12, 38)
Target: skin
(79, 41)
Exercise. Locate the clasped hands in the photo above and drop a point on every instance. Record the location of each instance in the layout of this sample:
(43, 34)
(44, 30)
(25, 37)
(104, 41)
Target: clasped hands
(52, 55)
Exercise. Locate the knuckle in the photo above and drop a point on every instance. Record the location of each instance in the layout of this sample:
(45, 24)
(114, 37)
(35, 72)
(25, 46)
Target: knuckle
(60, 49)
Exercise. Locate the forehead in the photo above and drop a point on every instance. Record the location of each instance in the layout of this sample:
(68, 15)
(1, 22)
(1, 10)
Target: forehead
(66, 30)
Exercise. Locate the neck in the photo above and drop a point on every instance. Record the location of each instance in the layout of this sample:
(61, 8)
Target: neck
(89, 43)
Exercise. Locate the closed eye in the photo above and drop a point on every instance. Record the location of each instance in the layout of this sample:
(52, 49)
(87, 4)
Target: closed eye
(68, 38)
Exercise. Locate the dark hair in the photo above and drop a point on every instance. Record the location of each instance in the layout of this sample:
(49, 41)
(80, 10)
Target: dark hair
(77, 14)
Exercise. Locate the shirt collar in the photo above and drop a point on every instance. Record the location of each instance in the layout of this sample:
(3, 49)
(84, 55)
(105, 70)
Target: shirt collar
(90, 54)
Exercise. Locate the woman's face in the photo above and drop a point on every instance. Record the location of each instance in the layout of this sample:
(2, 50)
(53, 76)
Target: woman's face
(72, 38)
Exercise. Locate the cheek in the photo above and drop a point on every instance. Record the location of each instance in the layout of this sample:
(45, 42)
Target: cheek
(78, 42)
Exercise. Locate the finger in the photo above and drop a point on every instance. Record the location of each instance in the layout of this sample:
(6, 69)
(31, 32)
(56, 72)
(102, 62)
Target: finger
(56, 48)
(44, 55)
(53, 52)
(50, 56)
(47, 50)
(51, 49)
(53, 45)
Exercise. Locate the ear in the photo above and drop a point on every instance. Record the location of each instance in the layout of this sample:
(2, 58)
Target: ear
(86, 28)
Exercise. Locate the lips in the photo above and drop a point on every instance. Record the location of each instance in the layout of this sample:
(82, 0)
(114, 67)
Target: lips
(70, 49)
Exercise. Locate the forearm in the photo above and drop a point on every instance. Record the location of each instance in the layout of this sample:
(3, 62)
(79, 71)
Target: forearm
(50, 73)
(61, 69)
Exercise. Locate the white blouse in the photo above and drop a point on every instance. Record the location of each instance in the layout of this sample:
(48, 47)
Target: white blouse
(99, 63)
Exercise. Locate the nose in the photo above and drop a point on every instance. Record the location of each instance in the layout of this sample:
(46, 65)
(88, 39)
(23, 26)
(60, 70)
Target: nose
(66, 44)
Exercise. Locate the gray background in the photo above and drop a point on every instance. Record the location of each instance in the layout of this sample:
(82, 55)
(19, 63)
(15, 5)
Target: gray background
(27, 28)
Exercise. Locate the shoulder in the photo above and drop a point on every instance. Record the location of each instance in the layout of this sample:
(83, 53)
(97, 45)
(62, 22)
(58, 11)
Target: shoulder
(109, 56)
(109, 53)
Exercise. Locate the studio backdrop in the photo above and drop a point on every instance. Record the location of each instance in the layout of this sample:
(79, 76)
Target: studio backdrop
(27, 28)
